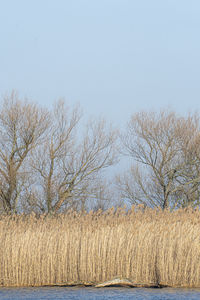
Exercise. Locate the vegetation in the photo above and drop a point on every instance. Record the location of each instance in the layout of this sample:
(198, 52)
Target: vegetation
(165, 150)
(48, 163)
(51, 161)
(52, 174)
(148, 247)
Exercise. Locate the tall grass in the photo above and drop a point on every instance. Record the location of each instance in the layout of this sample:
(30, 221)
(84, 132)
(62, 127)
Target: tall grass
(148, 247)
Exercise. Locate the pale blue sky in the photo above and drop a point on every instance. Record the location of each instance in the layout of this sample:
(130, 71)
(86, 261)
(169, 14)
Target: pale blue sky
(115, 57)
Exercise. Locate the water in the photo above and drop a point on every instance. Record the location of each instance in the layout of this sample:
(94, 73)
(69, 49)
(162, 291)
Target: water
(52, 293)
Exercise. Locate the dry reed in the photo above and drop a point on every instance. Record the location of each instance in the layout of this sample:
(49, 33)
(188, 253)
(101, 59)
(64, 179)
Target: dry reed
(150, 247)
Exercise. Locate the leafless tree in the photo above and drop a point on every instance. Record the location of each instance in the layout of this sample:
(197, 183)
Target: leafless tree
(22, 128)
(165, 149)
(68, 163)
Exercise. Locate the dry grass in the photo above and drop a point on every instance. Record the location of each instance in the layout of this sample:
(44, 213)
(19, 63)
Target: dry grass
(148, 247)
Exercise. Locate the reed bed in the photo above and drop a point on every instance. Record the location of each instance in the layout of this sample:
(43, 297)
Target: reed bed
(149, 247)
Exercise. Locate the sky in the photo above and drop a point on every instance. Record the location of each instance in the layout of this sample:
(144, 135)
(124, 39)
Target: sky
(114, 57)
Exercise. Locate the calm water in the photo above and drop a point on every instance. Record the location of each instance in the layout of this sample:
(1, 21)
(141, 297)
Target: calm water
(98, 294)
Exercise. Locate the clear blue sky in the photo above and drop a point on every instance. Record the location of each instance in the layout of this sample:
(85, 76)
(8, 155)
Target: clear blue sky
(115, 57)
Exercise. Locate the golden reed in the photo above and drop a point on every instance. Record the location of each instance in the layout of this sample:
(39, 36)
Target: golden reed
(149, 247)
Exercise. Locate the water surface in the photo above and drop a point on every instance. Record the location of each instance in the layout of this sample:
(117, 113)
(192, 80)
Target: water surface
(89, 293)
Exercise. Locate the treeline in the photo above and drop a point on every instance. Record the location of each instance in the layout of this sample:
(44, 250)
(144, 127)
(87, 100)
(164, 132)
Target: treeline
(51, 161)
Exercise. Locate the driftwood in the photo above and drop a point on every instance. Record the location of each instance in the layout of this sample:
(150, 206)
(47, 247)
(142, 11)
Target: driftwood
(116, 282)
(125, 282)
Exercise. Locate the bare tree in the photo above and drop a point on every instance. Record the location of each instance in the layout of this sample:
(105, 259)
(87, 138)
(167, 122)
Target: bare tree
(164, 147)
(22, 127)
(67, 165)
(188, 180)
